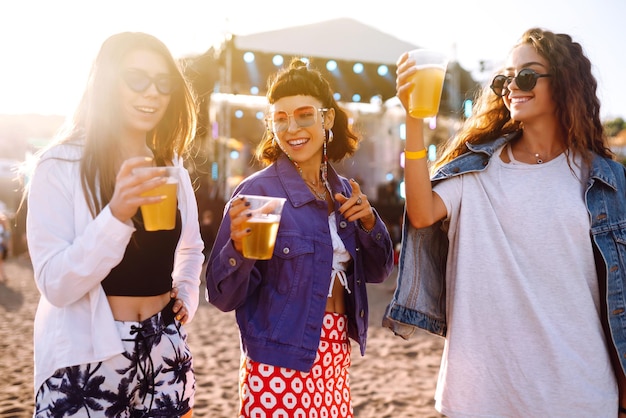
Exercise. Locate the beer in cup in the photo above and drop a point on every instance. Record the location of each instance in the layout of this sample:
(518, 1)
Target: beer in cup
(427, 82)
(263, 224)
(162, 215)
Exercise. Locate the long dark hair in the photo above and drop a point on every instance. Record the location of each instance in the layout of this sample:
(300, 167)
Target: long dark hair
(300, 80)
(573, 89)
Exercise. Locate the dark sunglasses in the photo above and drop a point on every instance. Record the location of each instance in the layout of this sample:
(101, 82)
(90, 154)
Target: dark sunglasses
(304, 116)
(526, 80)
(139, 81)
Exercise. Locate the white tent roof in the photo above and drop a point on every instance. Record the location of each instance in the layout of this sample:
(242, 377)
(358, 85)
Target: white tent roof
(344, 39)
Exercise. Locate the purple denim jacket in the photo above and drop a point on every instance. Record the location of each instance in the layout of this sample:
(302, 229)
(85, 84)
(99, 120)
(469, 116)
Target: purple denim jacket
(280, 302)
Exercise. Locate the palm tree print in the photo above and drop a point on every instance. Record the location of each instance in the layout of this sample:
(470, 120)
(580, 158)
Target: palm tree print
(155, 381)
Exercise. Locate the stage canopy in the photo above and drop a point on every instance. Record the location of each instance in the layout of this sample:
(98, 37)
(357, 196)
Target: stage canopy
(358, 60)
(343, 39)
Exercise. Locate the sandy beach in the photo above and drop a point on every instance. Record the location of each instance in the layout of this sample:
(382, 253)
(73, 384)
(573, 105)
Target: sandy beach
(396, 378)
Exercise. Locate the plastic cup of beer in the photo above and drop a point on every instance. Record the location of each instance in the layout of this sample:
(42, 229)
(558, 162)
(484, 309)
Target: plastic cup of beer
(161, 216)
(427, 82)
(263, 224)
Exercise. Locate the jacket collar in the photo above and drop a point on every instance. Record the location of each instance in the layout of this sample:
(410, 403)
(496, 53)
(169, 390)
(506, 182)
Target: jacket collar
(295, 188)
(602, 170)
(490, 147)
(476, 159)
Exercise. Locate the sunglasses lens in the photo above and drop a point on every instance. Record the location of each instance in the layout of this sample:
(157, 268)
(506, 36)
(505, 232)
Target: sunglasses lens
(526, 79)
(304, 116)
(165, 85)
(136, 81)
(279, 120)
(497, 85)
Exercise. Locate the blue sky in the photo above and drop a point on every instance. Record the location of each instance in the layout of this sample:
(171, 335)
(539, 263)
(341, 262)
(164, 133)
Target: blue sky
(47, 46)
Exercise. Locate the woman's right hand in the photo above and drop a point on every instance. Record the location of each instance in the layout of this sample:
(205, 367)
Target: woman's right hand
(405, 68)
(239, 214)
(127, 197)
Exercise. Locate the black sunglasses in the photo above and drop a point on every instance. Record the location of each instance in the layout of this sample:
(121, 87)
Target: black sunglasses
(139, 81)
(526, 80)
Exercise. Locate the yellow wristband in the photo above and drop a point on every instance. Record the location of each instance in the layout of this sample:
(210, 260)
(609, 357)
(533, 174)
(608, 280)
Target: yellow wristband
(415, 155)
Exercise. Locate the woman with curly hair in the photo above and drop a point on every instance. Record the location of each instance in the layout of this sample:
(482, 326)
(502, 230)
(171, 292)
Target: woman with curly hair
(297, 310)
(514, 245)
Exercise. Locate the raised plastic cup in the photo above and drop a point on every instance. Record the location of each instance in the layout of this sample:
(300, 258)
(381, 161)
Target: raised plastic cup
(427, 82)
(266, 212)
(161, 216)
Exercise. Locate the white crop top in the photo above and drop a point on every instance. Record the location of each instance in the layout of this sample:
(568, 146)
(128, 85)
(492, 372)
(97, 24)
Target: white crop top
(341, 257)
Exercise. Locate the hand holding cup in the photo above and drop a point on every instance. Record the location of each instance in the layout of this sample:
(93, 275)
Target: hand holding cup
(254, 224)
(161, 215)
(419, 81)
(129, 187)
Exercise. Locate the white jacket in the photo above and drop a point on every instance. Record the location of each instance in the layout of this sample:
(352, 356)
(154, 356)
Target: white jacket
(72, 253)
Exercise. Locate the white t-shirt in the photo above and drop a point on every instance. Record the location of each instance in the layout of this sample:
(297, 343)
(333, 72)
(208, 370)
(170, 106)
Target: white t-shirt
(524, 332)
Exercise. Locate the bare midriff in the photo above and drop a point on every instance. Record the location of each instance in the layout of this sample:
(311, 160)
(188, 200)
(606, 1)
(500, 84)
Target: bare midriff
(137, 308)
(336, 303)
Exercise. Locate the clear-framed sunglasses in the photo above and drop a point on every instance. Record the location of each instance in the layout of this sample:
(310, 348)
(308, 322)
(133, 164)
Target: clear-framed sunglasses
(304, 117)
(526, 80)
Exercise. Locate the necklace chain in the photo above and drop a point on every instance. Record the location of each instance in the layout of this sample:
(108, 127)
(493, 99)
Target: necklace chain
(323, 174)
(538, 158)
(314, 188)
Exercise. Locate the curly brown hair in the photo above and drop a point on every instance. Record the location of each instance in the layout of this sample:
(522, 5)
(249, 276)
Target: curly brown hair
(300, 80)
(574, 91)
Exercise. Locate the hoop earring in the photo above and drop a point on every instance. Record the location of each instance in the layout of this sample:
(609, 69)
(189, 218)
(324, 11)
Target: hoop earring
(330, 136)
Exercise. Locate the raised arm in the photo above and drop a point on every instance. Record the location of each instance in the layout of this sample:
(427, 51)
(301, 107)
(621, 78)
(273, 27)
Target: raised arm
(424, 207)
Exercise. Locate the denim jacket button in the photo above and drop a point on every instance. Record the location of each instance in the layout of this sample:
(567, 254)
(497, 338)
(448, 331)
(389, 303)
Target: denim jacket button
(379, 236)
(232, 262)
(286, 250)
(343, 224)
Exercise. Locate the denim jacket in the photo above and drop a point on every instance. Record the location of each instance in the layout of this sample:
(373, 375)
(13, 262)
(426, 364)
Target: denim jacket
(419, 300)
(280, 302)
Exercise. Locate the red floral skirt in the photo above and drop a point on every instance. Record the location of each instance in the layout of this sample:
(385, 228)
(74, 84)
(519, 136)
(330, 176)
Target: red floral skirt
(267, 391)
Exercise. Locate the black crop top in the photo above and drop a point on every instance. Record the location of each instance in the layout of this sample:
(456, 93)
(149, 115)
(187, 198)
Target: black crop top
(146, 269)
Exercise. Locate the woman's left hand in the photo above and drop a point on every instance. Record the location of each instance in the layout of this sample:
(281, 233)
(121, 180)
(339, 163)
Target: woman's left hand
(356, 207)
(179, 308)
